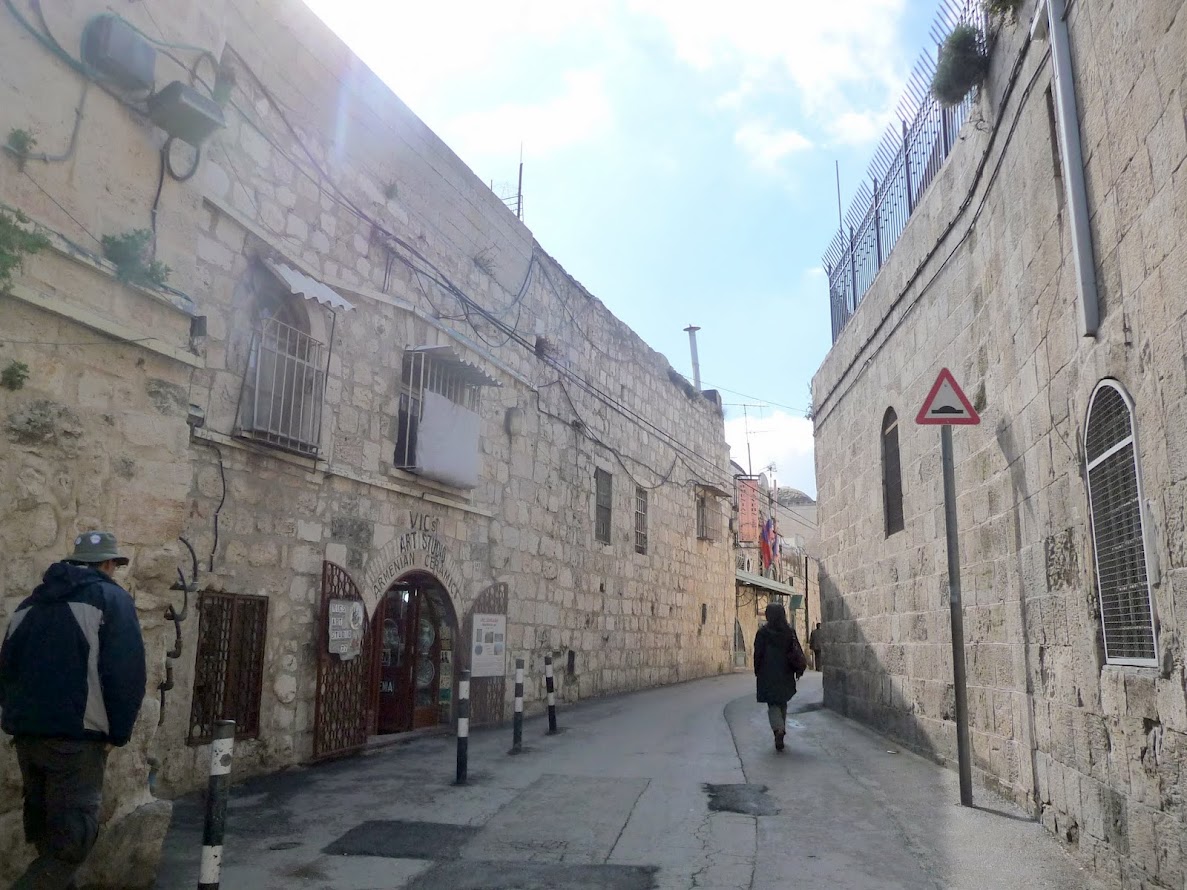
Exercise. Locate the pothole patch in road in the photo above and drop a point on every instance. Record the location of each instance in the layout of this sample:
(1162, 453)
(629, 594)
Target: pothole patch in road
(535, 876)
(398, 839)
(749, 800)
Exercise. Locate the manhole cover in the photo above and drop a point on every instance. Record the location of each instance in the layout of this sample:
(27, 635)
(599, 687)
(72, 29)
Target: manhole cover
(749, 800)
(403, 840)
(535, 876)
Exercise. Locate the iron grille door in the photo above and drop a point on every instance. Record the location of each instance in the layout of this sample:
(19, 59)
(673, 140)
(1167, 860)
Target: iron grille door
(343, 687)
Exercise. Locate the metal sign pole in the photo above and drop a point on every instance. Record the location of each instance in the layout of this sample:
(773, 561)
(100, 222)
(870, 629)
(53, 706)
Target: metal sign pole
(964, 754)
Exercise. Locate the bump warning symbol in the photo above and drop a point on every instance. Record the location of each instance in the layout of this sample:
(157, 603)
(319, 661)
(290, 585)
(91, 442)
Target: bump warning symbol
(947, 403)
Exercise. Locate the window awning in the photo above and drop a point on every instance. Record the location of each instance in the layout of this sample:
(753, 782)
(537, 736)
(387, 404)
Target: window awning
(309, 288)
(446, 357)
(749, 579)
(716, 490)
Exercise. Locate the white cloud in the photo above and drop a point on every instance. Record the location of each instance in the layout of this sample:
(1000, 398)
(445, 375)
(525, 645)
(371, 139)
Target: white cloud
(767, 146)
(842, 59)
(582, 112)
(778, 437)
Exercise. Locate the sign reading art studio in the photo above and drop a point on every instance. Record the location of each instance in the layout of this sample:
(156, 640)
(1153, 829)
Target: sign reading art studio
(419, 548)
(488, 646)
(345, 628)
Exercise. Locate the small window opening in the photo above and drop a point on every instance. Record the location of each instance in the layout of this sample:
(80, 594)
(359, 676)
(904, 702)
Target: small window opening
(892, 475)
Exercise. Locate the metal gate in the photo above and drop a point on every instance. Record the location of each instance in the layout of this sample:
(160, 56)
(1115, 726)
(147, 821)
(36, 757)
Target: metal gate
(342, 711)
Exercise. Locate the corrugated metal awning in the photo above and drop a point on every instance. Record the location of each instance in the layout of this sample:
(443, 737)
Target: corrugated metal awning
(752, 580)
(446, 357)
(309, 288)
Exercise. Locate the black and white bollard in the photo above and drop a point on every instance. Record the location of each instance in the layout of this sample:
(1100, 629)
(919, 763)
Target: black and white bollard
(214, 827)
(463, 727)
(550, 685)
(517, 721)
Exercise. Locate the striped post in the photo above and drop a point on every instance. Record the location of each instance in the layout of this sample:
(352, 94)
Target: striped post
(550, 685)
(517, 722)
(221, 754)
(463, 727)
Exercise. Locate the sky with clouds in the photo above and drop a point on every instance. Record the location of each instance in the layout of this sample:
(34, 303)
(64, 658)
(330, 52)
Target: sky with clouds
(678, 161)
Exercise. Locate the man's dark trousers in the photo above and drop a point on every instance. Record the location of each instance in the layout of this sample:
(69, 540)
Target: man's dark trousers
(63, 782)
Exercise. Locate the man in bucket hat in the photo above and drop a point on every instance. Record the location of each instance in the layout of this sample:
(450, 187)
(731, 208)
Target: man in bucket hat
(72, 679)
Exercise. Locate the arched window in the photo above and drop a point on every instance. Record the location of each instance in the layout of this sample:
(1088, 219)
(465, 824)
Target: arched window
(892, 475)
(1118, 539)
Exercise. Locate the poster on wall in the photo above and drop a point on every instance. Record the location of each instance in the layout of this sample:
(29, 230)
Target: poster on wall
(488, 648)
(345, 629)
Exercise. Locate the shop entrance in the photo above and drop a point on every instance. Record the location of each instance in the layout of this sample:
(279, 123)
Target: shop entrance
(417, 633)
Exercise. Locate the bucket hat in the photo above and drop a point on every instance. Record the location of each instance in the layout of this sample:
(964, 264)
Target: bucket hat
(92, 548)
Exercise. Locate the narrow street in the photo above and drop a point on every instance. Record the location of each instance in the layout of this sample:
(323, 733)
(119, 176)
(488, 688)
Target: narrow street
(620, 799)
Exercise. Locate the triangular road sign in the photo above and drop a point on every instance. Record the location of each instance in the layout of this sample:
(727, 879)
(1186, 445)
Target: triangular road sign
(947, 403)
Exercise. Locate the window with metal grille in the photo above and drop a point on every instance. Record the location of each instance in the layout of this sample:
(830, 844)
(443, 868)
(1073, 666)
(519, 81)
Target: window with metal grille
(703, 517)
(437, 422)
(640, 520)
(892, 475)
(1115, 503)
(603, 497)
(281, 401)
(229, 664)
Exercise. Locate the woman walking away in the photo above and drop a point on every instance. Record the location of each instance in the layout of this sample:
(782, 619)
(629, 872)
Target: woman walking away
(778, 661)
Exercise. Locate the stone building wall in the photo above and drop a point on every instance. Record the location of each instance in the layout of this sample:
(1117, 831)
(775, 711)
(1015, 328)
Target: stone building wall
(322, 168)
(96, 436)
(387, 188)
(982, 282)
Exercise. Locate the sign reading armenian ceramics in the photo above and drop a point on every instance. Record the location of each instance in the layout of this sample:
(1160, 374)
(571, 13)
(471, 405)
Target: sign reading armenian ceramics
(418, 548)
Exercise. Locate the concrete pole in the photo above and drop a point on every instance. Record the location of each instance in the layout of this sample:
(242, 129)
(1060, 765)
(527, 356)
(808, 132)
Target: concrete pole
(964, 754)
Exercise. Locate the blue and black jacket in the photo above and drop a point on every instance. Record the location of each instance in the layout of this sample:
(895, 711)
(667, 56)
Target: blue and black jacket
(72, 662)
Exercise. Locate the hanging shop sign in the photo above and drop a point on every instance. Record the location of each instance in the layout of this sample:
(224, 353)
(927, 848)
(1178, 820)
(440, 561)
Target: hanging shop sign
(488, 646)
(345, 628)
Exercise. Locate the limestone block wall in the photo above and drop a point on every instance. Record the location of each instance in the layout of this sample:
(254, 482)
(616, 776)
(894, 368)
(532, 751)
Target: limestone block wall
(321, 167)
(982, 282)
(96, 436)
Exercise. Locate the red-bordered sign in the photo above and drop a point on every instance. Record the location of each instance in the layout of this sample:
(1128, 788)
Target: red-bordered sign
(947, 403)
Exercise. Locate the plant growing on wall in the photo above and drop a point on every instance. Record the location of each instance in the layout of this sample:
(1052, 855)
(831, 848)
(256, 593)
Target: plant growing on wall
(14, 375)
(133, 262)
(963, 65)
(20, 144)
(16, 242)
(1003, 9)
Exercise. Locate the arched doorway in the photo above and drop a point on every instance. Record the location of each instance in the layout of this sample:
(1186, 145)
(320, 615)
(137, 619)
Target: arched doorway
(415, 648)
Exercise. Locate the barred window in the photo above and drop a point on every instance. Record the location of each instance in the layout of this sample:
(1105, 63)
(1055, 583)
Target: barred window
(892, 475)
(1115, 503)
(703, 516)
(281, 400)
(603, 499)
(640, 519)
(229, 665)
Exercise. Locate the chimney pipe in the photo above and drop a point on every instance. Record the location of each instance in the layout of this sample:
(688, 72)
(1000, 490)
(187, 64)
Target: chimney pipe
(696, 364)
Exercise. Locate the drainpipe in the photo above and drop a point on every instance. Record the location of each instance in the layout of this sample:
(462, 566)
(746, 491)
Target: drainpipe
(696, 365)
(1054, 26)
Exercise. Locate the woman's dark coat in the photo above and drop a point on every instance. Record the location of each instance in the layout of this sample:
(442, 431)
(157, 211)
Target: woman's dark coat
(772, 665)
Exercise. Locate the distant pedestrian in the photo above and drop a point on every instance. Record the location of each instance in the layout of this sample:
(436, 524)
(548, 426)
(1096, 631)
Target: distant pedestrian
(72, 679)
(778, 662)
(814, 645)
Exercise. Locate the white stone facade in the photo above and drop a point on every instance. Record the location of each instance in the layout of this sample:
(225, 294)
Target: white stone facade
(322, 169)
(981, 282)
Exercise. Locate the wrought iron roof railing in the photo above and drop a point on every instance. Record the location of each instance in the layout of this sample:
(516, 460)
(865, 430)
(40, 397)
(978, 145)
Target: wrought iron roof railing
(904, 165)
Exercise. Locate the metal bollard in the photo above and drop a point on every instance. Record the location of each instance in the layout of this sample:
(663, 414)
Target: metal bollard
(550, 685)
(463, 727)
(517, 722)
(221, 754)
